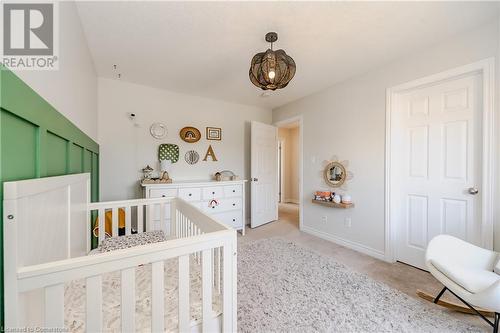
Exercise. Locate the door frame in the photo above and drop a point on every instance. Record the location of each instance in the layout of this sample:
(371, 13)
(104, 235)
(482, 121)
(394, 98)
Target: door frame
(281, 169)
(486, 69)
(300, 120)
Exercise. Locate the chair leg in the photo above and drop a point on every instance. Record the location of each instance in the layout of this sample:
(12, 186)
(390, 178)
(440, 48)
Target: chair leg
(439, 295)
(492, 324)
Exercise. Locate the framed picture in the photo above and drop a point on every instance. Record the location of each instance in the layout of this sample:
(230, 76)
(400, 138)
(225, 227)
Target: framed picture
(214, 133)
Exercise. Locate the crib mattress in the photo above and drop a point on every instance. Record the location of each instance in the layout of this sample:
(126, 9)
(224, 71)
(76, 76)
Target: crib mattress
(111, 290)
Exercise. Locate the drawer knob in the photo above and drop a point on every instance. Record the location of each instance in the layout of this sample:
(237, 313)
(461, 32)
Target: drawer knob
(213, 192)
(234, 220)
(234, 204)
(234, 191)
(190, 194)
(213, 207)
(163, 195)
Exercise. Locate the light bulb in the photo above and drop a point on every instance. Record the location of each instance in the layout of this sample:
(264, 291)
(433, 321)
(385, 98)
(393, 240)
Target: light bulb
(272, 74)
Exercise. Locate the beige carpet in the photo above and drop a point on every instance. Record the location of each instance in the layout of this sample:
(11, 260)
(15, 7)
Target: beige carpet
(283, 287)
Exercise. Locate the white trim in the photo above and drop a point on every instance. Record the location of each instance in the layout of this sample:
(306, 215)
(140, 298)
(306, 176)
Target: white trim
(300, 120)
(281, 170)
(486, 68)
(346, 243)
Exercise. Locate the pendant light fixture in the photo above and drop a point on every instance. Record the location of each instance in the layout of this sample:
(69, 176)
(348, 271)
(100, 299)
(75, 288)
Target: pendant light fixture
(271, 70)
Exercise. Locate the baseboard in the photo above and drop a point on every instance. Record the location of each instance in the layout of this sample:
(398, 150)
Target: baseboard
(294, 201)
(346, 243)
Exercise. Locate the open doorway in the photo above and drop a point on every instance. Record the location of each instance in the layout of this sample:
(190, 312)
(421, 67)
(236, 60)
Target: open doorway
(289, 172)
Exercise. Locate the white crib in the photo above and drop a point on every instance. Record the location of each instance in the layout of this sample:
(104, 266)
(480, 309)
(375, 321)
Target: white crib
(47, 240)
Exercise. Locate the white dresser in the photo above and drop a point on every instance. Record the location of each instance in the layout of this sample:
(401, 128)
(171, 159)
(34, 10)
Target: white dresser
(229, 207)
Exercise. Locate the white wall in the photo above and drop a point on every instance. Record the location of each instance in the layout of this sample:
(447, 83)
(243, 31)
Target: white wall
(126, 149)
(71, 90)
(348, 120)
(290, 151)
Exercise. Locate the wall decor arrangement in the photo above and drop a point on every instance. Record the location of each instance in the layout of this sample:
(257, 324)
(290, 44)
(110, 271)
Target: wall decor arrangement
(336, 175)
(190, 134)
(211, 153)
(158, 130)
(191, 157)
(214, 133)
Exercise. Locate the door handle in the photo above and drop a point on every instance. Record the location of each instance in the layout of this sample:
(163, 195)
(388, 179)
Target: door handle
(473, 190)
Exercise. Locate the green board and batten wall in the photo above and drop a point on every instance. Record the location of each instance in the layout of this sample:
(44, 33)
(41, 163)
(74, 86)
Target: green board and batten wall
(37, 141)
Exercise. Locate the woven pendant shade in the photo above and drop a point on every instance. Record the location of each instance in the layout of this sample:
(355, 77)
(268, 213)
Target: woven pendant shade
(271, 70)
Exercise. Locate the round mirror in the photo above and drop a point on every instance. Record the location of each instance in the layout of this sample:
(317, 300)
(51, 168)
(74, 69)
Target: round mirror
(335, 174)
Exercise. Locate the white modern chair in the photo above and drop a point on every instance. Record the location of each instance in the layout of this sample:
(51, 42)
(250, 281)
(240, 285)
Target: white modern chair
(468, 272)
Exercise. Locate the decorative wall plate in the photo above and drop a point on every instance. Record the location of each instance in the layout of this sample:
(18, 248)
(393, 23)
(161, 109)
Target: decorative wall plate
(190, 134)
(158, 130)
(191, 157)
(168, 151)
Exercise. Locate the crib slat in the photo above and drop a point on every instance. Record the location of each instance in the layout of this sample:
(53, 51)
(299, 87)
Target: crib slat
(177, 224)
(206, 274)
(149, 217)
(128, 299)
(54, 306)
(140, 219)
(158, 299)
(163, 225)
(184, 314)
(128, 223)
(94, 304)
(227, 289)
(102, 229)
(114, 232)
(173, 218)
(216, 273)
(215, 268)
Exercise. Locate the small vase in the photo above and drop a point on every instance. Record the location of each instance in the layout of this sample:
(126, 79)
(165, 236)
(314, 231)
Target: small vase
(336, 198)
(346, 198)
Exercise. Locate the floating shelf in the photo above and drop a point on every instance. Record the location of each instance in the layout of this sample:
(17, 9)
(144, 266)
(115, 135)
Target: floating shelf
(333, 204)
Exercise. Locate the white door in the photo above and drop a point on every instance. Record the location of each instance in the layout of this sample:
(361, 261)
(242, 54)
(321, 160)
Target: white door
(264, 174)
(437, 164)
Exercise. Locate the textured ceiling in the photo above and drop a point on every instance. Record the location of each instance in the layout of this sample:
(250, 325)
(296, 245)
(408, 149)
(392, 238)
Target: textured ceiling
(205, 48)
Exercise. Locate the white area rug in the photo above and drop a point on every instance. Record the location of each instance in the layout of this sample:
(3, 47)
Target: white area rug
(283, 287)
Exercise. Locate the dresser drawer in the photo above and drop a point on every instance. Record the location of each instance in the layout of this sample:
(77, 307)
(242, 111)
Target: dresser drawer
(231, 219)
(223, 206)
(162, 192)
(230, 204)
(233, 191)
(212, 192)
(190, 194)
